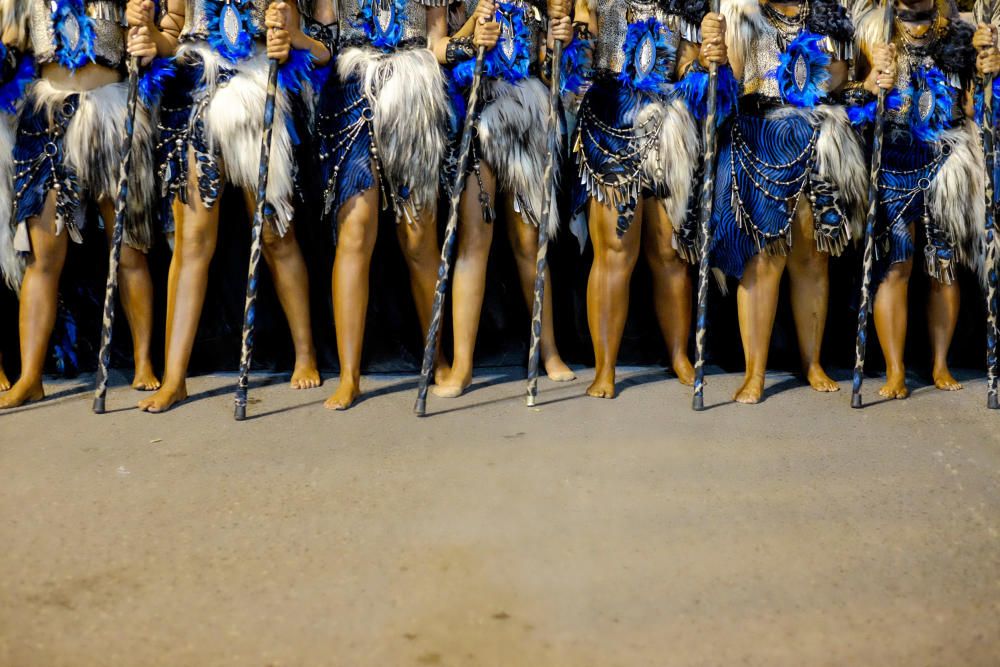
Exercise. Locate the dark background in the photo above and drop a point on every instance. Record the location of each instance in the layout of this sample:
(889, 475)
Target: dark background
(393, 341)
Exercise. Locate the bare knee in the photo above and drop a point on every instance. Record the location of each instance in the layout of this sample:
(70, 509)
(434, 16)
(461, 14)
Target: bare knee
(417, 242)
(132, 260)
(898, 274)
(195, 244)
(276, 246)
(806, 259)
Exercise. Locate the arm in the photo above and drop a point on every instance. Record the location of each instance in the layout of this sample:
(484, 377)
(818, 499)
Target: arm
(148, 39)
(284, 33)
(481, 27)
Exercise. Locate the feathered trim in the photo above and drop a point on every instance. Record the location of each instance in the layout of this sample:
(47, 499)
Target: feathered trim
(647, 53)
(218, 13)
(693, 89)
(379, 37)
(12, 91)
(953, 53)
(956, 198)
(295, 72)
(802, 70)
(863, 114)
(928, 127)
(65, 14)
(514, 68)
(153, 79)
(577, 66)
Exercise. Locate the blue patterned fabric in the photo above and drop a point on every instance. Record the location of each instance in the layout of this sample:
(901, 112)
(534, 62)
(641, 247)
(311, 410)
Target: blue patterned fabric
(39, 165)
(173, 136)
(15, 83)
(610, 150)
(762, 168)
(346, 149)
(908, 168)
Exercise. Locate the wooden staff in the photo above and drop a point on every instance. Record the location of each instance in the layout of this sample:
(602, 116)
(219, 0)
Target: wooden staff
(115, 252)
(868, 259)
(541, 261)
(250, 309)
(704, 235)
(989, 149)
(450, 236)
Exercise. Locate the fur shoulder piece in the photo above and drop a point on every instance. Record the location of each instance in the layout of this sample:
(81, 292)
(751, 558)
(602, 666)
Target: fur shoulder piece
(830, 18)
(953, 53)
(743, 22)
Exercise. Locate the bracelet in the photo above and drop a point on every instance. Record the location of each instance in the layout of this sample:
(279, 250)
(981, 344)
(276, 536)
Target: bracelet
(459, 50)
(581, 31)
(854, 93)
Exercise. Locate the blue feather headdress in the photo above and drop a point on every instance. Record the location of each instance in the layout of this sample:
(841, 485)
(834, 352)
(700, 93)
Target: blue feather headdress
(802, 70)
(12, 91)
(932, 102)
(74, 33)
(511, 57)
(648, 55)
(382, 22)
(228, 29)
(694, 86)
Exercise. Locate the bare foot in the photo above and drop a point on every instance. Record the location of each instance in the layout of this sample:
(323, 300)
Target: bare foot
(895, 386)
(819, 380)
(603, 386)
(442, 371)
(557, 370)
(4, 382)
(945, 381)
(751, 391)
(164, 399)
(22, 392)
(683, 369)
(145, 379)
(306, 376)
(347, 392)
(451, 383)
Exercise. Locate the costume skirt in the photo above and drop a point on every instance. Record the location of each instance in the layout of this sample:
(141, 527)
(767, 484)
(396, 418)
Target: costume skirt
(629, 145)
(72, 142)
(767, 161)
(386, 112)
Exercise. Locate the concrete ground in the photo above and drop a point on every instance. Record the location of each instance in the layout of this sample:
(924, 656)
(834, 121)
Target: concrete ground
(580, 533)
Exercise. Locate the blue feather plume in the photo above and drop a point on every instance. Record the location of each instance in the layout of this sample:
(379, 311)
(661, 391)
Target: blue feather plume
(368, 22)
(294, 73)
(640, 34)
(64, 13)
(805, 50)
(693, 89)
(12, 91)
(153, 79)
(931, 80)
(577, 66)
(496, 64)
(862, 114)
(244, 45)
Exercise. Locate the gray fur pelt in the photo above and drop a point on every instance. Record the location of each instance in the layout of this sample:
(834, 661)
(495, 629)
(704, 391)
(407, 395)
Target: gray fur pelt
(93, 150)
(11, 262)
(406, 92)
(234, 127)
(956, 199)
(513, 133)
(670, 165)
(840, 160)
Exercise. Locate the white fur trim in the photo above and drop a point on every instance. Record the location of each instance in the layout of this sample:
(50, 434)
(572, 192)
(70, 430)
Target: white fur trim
(406, 92)
(93, 150)
(840, 160)
(512, 133)
(957, 196)
(671, 163)
(744, 21)
(234, 127)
